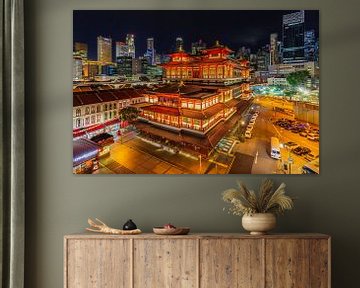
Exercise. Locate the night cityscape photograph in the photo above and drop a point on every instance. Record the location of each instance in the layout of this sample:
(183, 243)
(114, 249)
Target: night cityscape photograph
(196, 92)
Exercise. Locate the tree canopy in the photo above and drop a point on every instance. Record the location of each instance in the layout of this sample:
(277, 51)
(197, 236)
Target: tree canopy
(129, 114)
(298, 78)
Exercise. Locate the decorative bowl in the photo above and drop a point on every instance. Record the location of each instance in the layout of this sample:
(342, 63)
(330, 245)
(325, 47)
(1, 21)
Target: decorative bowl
(171, 231)
(259, 223)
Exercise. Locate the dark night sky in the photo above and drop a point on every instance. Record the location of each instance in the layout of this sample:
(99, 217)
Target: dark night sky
(250, 28)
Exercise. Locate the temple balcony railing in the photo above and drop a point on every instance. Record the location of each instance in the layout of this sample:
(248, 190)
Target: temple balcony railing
(209, 81)
(182, 126)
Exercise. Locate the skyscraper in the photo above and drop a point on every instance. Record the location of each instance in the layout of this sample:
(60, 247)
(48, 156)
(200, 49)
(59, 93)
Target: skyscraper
(124, 65)
(77, 68)
(150, 43)
(293, 37)
(279, 50)
(309, 45)
(274, 53)
(130, 42)
(316, 54)
(121, 49)
(243, 53)
(263, 58)
(179, 44)
(81, 50)
(150, 52)
(104, 49)
(196, 47)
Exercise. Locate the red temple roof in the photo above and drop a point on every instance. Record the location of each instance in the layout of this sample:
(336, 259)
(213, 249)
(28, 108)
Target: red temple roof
(81, 98)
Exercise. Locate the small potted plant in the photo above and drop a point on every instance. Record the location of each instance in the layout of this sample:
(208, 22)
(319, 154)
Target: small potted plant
(258, 210)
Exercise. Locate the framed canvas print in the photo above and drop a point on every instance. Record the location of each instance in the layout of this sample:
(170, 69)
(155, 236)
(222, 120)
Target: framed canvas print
(196, 92)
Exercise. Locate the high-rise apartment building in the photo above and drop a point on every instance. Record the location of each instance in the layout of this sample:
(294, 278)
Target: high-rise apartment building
(104, 49)
(121, 49)
(293, 37)
(274, 53)
(130, 42)
(81, 50)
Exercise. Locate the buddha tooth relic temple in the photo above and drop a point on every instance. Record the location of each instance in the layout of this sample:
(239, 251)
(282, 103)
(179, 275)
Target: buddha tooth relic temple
(214, 64)
(198, 105)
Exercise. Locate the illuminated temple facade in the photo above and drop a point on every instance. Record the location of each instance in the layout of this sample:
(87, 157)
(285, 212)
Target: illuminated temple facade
(190, 107)
(203, 93)
(214, 66)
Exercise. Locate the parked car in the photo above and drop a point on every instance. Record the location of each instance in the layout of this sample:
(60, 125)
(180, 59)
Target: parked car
(247, 134)
(312, 136)
(295, 130)
(297, 150)
(305, 150)
(303, 134)
(250, 127)
(311, 156)
(290, 144)
(301, 150)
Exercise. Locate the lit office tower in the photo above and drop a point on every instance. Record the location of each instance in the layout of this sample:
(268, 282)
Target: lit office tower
(81, 50)
(274, 53)
(130, 42)
(104, 49)
(179, 44)
(150, 53)
(263, 58)
(309, 45)
(279, 48)
(316, 53)
(293, 37)
(77, 68)
(121, 49)
(150, 43)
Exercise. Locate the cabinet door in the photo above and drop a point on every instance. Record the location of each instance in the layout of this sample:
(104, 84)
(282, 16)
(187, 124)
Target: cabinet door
(231, 263)
(287, 263)
(320, 263)
(98, 263)
(166, 263)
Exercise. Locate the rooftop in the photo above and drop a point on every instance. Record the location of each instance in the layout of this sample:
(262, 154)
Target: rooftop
(191, 91)
(96, 96)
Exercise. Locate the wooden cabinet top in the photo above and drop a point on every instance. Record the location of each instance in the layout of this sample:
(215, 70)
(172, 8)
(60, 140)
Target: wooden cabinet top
(199, 236)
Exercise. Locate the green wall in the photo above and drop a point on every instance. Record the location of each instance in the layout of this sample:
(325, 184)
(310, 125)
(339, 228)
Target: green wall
(59, 203)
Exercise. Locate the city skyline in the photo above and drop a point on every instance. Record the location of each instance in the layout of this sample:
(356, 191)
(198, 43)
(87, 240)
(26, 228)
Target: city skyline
(195, 26)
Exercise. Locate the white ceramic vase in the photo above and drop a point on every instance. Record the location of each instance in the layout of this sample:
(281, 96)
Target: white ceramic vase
(259, 223)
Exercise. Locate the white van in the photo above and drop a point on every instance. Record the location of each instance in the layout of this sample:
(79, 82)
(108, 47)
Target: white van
(275, 148)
